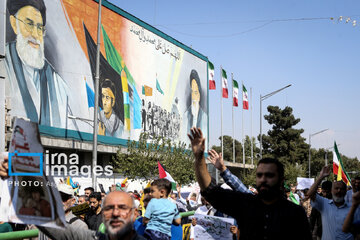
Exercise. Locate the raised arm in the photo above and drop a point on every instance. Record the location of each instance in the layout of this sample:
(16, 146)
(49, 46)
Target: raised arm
(347, 226)
(230, 179)
(198, 147)
(325, 171)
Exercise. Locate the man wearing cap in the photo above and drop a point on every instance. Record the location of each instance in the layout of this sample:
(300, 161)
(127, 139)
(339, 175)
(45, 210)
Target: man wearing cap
(36, 90)
(67, 196)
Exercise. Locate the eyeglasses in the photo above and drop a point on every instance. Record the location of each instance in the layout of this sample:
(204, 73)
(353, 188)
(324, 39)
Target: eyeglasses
(29, 25)
(123, 209)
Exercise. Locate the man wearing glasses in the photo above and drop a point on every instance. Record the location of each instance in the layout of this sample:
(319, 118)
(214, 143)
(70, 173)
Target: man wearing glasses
(118, 213)
(36, 90)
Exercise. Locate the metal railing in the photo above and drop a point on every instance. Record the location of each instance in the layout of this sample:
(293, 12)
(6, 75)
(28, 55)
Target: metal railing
(35, 232)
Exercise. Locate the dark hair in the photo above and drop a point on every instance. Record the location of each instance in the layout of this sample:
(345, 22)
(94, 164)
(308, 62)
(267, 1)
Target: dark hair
(37, 189)
(84, 196)
(194, 75)
(147, 190)
(357, 178)
(279, 166)
(326, 185)
(14, 6)
(107, 83)
(193, 195)
(147, 199)
(89, 188)
(96, 195)
(162, 183)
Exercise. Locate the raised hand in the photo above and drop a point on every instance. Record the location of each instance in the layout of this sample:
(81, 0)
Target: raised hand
(4, 166)
(197, 142)
(325, 171)
(217, 160)
(233, 229)
(356, 198)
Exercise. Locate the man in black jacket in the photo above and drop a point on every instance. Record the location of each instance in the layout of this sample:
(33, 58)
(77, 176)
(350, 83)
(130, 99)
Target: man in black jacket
(267, 215)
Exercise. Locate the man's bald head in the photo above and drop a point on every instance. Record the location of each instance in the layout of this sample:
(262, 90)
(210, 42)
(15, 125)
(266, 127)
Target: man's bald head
(118, 214)
(119, 194)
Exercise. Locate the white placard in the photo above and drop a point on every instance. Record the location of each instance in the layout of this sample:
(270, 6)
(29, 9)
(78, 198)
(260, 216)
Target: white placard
(29, 196)
(304, 183)
(210, 227)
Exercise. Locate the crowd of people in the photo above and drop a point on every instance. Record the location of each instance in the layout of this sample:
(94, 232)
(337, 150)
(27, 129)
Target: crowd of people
(327, 210)
(157, 121)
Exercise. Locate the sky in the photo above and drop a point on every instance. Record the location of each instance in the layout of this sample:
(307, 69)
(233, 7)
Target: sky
(268, 45)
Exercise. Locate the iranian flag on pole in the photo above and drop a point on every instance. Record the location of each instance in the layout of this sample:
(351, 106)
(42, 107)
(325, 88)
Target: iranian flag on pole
(225, 93)
(164, 174)
(212, 85)
(235, 94)
(338, 167)
(245, 98)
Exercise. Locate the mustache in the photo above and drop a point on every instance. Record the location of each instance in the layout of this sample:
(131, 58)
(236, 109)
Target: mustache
(116, 219)
(263, 185)
(33, 40)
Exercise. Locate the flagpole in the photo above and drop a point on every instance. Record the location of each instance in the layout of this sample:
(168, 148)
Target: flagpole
(242, 123)
(233, 125)
(222, 138)
(96, 107)
(251, 133)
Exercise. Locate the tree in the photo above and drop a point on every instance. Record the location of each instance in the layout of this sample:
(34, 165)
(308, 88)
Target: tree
(228, 149)
(140, 159)
(283, 141)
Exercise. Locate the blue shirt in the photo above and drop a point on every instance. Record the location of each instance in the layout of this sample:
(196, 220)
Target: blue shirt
(161, 213)
(234, 182)
(332, 218)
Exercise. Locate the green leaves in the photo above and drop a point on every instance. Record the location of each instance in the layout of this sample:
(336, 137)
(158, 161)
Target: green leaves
(140, 159)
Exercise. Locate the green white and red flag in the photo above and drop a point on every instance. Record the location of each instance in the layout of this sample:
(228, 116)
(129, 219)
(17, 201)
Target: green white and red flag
(338, 167)
(235, 93)
(245, 98)
(211, 72)
(225, 93)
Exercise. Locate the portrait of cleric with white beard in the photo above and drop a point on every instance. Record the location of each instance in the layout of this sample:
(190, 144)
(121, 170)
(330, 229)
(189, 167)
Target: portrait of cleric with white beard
(194, 115)
(36, 90)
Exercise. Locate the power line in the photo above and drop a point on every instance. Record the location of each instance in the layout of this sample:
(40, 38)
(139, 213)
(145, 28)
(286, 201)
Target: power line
(265, 23)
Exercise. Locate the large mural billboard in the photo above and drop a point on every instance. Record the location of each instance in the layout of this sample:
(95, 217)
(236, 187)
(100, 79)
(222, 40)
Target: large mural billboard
(149, 82)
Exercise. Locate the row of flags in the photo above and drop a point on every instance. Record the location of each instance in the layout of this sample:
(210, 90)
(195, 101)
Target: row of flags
(148, 91)
(224, 85)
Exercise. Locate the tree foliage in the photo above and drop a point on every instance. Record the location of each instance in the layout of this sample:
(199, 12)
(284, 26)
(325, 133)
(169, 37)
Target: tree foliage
(228, 149)
(140, 159)
(283, 141)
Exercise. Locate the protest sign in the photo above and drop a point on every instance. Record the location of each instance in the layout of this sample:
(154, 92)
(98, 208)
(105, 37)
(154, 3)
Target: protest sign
(304, 183)
(29, 196)
(210, 227)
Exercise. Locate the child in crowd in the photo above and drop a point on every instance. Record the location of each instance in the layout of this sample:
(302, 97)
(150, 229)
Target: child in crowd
(160, 212)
